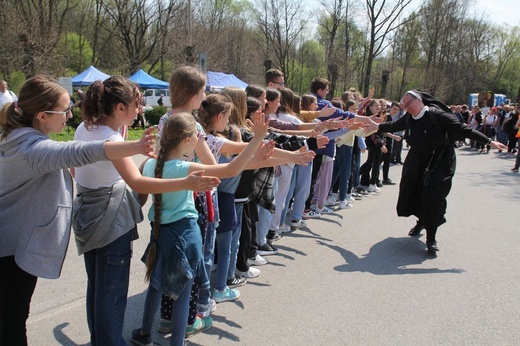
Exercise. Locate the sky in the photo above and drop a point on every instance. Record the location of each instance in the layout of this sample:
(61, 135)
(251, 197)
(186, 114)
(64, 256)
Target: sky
(499, 11)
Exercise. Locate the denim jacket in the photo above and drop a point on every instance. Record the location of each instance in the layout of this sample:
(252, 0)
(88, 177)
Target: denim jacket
(179, 257)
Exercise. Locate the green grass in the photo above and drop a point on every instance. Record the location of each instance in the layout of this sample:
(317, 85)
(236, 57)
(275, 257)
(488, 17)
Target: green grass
(68, 134)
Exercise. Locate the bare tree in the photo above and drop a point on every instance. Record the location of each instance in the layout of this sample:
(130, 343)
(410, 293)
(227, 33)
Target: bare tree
(281, 22)
(383, 18)
(337, 11)
(406, 48)
(139, 25)
(36, 28)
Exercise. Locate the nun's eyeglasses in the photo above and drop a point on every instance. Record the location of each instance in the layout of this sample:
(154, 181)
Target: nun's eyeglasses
(405, 105)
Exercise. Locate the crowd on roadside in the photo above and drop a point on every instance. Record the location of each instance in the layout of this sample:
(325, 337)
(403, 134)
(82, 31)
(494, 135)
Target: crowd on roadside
(262, 161)
(499, 122)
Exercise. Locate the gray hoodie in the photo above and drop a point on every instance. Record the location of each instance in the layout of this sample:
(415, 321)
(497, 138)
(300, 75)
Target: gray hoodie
(36, 197)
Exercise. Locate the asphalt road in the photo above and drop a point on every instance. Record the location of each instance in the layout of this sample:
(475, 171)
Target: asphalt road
(353, 277)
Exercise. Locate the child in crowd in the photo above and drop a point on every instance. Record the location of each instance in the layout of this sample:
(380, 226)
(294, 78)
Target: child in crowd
(376, 148)
(187, 85)
(176, 242)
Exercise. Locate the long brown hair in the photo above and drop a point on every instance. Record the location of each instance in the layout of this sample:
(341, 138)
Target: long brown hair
(37, 94)
(238, 96)
(212, 106)
(186, 82)
(176, 128)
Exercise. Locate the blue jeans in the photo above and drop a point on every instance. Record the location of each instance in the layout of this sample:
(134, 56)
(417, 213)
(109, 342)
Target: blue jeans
(342, 169)
(262, 226)
(235, 241)
(108, 271)
(301, 183)
(209, 256)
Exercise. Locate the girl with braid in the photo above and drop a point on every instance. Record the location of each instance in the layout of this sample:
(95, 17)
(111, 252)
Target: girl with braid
(174, 255)
(106, 210)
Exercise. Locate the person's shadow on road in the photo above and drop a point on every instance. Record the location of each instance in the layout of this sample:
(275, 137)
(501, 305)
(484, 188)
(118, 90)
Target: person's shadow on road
(391, 256)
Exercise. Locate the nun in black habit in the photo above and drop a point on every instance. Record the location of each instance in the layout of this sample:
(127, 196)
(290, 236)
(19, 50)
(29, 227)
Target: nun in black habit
(430, 129)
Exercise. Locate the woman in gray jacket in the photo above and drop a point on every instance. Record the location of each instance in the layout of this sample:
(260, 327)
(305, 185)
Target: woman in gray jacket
(36, 194)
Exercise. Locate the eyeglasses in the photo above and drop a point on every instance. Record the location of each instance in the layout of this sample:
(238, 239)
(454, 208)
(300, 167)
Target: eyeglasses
(405, 105)
(280, 83)
(65, 112)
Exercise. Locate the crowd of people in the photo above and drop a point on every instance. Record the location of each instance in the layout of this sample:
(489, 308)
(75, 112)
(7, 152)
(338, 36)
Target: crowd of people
(229, 174)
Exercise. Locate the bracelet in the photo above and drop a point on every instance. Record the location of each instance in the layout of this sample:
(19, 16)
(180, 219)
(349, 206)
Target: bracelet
(489, 142)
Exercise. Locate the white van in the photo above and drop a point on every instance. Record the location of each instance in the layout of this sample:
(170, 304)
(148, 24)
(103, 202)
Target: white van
(152, 95)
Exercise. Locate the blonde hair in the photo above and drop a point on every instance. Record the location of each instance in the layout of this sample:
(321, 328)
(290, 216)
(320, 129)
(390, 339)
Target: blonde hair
(37, 94)
(238, 97)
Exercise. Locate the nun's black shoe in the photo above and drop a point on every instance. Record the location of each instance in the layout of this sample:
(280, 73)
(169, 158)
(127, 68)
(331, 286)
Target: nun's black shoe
(432, 247)
(416, 230)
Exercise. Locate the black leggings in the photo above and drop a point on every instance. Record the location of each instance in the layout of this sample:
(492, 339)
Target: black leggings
(16, 290)
(371, 165)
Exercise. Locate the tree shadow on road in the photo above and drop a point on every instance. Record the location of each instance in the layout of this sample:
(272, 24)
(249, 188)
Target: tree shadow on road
(389, 257)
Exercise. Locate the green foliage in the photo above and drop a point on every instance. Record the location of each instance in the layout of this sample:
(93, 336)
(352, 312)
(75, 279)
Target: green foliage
(15, 81)
(76, 118)
(78, 51)
(68, 134)
(154, 115)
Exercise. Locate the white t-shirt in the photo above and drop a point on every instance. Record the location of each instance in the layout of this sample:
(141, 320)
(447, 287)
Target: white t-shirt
(7, 96)
(289, 118)
(101, 173)
(215, 144)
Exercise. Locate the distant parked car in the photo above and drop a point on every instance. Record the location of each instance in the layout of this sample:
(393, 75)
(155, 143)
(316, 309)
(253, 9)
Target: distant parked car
(152, 95)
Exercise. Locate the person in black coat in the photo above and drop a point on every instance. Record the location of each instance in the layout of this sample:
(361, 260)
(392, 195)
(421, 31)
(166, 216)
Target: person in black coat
(430, 128)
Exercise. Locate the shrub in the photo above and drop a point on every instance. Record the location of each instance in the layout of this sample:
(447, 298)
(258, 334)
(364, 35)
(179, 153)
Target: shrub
(152, 116)
(76, 118)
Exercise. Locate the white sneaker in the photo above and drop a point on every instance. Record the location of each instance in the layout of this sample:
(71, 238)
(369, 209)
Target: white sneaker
(283, 228)
(351, 199)
(298, 223)
(311, 214)
(373, 188)
(344, 205)
(251, 273)
(206, 310)
(324, 210)
(257, 261)
(313, 207)
(329, 201)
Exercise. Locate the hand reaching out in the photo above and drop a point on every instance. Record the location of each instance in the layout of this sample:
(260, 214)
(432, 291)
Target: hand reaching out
(327, 111)
(322, 141)
(147, 142)
(259, 124)
(196, 181)
(303, 156)
(264, 151)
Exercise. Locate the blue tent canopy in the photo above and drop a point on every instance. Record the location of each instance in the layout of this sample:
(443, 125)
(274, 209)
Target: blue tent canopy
(89, 76)
(218, 80)
(145, 81)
